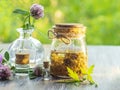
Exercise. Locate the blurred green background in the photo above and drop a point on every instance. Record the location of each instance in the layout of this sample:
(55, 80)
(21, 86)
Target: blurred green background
(101, 17)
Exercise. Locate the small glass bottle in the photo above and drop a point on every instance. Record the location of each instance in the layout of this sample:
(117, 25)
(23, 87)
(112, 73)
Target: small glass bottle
(46, 70)
(26, 51)
(68, 49)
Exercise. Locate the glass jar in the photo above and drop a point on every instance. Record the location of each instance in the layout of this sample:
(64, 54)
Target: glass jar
(26, 48)
(68, 49)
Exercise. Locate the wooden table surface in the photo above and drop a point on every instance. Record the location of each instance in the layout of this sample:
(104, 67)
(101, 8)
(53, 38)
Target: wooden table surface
(106, 73)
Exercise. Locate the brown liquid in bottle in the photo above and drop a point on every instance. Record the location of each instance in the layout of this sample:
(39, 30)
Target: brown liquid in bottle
(22, 58)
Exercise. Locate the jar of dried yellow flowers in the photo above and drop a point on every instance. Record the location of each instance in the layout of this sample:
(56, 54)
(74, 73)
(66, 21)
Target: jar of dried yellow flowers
(68, 49)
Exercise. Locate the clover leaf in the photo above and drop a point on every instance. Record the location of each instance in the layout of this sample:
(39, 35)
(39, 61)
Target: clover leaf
(6, 55)
(20, 11)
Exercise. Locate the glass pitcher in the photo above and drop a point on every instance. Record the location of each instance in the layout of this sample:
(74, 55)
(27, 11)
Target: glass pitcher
(24, 48)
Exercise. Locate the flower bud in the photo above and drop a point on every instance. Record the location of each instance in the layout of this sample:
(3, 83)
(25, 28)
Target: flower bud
(5, 72)
(37, 11)
(38, 71)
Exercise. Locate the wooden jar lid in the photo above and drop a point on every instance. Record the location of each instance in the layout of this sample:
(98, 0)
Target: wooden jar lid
(70, 25)
(70, 29)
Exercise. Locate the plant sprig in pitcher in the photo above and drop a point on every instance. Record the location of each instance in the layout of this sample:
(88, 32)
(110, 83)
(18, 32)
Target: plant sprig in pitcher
(36, 11)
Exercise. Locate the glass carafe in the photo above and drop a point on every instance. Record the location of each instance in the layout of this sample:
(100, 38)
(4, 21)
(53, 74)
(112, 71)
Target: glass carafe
(68, 49)
(26, 46)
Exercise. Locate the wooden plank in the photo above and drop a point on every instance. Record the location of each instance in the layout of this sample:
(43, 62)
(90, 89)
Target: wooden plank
(107, 72)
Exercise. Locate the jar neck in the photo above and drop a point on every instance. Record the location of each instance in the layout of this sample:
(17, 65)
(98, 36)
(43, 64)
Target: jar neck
(70, 35)
(25, 33)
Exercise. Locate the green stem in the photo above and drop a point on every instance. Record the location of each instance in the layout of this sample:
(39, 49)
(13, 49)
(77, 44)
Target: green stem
(29, 20)
(26, 19)
(27, 24)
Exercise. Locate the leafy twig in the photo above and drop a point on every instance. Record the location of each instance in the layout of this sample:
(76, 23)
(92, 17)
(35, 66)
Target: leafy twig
(6, 61)
(26, 25)
(36, 11)
(78, 81)
(73, 74)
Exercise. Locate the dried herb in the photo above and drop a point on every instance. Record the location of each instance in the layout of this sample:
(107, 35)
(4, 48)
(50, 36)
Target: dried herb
(61, 60)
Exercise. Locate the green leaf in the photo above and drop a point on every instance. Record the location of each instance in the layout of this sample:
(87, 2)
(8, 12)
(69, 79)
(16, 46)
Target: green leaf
(12, 68)
(84, 71)
(73, 74)
(6, 55)
(90, 79)
(96, 85)
(4, 61)
(90, 70)
(31, 74)
(20, 11)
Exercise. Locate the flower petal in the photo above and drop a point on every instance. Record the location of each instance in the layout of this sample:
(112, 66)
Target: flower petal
(1, 58)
